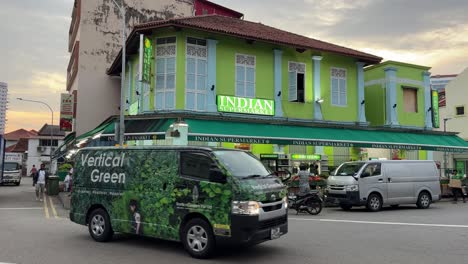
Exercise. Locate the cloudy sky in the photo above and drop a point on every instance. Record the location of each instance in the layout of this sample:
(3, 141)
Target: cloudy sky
(34, 36)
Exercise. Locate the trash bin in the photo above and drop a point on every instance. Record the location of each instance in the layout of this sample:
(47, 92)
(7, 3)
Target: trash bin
(53, 185)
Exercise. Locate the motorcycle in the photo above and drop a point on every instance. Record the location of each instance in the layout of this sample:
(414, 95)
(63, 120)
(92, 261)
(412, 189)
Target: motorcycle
(311, 203)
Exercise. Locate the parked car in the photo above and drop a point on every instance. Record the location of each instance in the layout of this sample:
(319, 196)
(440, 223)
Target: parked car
(378, 183)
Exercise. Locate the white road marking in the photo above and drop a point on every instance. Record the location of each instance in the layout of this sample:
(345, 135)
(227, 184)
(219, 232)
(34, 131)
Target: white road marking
(20, 208)
(377, 223)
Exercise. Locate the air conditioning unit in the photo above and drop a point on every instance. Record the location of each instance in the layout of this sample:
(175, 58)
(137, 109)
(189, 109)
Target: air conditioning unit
(41, 148)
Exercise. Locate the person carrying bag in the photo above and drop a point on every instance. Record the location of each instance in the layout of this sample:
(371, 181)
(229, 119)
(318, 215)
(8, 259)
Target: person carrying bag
(455, 184)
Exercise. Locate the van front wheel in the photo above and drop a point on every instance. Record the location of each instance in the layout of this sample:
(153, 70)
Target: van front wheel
(374, 202)
(424, 200)
(198, 238)
(99, 226)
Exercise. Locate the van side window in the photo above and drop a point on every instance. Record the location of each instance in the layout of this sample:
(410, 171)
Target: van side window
(373, 169)
(195, 164)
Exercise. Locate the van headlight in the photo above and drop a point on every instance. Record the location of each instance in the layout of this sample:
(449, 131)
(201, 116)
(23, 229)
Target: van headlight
(245, 208)
(352, 188)
(285, 202)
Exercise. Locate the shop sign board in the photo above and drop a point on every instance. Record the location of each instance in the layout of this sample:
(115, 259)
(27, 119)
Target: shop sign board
(66, 111)
(306, 157)
(243, 105)
(281, 141)
(435, 109)
(269, 156)
(133, 137)
(147, 59)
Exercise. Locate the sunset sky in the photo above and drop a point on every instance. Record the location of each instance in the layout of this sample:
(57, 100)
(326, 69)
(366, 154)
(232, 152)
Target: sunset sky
(34, 38)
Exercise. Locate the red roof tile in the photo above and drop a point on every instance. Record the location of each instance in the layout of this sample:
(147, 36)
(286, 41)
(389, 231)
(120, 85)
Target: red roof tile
(21, 146)
(247, 30)
(20, 133)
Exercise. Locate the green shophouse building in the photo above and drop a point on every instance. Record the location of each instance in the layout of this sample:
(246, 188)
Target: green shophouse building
(225, 82)
(398, 95)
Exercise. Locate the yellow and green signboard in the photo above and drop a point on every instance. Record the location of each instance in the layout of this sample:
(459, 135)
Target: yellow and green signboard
(435, 109)
(243, 105)
(147, 58)
(305, 157)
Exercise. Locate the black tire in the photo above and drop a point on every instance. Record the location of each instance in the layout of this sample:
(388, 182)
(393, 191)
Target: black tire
(198, 238)
(99, 225)
(374, 202)
(424, 200)
(346, 207)
(395, 205)
(18, 183)
(314, 207)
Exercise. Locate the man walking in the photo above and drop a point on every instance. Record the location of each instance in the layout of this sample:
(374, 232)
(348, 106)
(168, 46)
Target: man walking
(40, 184)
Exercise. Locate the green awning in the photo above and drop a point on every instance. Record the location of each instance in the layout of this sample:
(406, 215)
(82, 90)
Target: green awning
(256, 133)
(140, 129)
(109, 123)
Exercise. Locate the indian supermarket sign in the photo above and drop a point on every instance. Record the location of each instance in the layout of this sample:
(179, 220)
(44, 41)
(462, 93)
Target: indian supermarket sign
(243, 105)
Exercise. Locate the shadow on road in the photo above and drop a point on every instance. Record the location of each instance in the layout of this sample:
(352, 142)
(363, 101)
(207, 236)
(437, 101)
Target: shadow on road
(226, 254)
(384, 209)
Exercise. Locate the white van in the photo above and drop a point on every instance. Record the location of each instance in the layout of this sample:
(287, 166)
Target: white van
(378, 183)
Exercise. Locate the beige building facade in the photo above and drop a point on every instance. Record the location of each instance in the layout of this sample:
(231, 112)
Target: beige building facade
(94, 41)
(456, 118)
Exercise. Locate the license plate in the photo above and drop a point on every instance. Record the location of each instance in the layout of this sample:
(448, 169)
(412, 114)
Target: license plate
(275, 233)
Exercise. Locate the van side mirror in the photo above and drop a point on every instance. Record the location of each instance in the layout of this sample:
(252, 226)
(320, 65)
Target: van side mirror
(216, 175)
(365, 174)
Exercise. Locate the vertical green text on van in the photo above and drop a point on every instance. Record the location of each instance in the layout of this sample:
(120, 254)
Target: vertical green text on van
(202, 197)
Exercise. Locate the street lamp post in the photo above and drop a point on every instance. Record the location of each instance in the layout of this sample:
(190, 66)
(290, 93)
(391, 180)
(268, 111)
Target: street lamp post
(52, 124)
(122, 77)
(445, 152)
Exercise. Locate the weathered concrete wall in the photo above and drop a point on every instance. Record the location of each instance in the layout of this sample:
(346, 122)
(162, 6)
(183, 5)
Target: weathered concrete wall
(100, 42)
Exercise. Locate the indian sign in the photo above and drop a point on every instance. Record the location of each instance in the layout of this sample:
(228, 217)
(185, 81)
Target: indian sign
(254, 106)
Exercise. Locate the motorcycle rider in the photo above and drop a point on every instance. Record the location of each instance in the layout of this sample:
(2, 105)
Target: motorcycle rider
(304, 187)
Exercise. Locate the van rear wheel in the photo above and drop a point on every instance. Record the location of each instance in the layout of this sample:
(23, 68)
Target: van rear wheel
(198, 238)
(99, 226)
(424, 200)
(374, 202)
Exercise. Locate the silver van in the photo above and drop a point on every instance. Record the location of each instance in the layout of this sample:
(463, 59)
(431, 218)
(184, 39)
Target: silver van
(384, 182)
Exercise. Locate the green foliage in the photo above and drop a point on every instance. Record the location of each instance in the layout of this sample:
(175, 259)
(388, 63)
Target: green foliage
(65, 167)
(219, 197)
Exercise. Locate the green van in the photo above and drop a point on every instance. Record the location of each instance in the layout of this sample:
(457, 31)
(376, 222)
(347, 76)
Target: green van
(203, 197)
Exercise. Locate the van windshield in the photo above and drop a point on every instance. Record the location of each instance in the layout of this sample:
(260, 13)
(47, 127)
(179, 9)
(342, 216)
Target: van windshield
(10, 166)
(241, 164)
(349, 169)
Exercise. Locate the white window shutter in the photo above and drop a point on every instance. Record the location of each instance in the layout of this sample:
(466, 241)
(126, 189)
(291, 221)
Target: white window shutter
(292, 92)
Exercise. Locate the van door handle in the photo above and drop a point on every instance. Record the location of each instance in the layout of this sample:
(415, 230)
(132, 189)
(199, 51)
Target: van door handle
(380, 180)
(389, 179)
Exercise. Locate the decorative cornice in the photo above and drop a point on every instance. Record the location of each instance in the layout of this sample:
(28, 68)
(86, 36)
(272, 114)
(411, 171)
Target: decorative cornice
(393, 79)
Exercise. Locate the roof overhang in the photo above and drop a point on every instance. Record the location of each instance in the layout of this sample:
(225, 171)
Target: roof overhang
(132, 43)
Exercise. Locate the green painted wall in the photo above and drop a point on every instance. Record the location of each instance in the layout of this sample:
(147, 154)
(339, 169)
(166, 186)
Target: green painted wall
(405, 118)
(375, 105)
(375, 95)
(228, 47)
(338, 113)
(329, 152)
(422, 155)
(294, 109)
